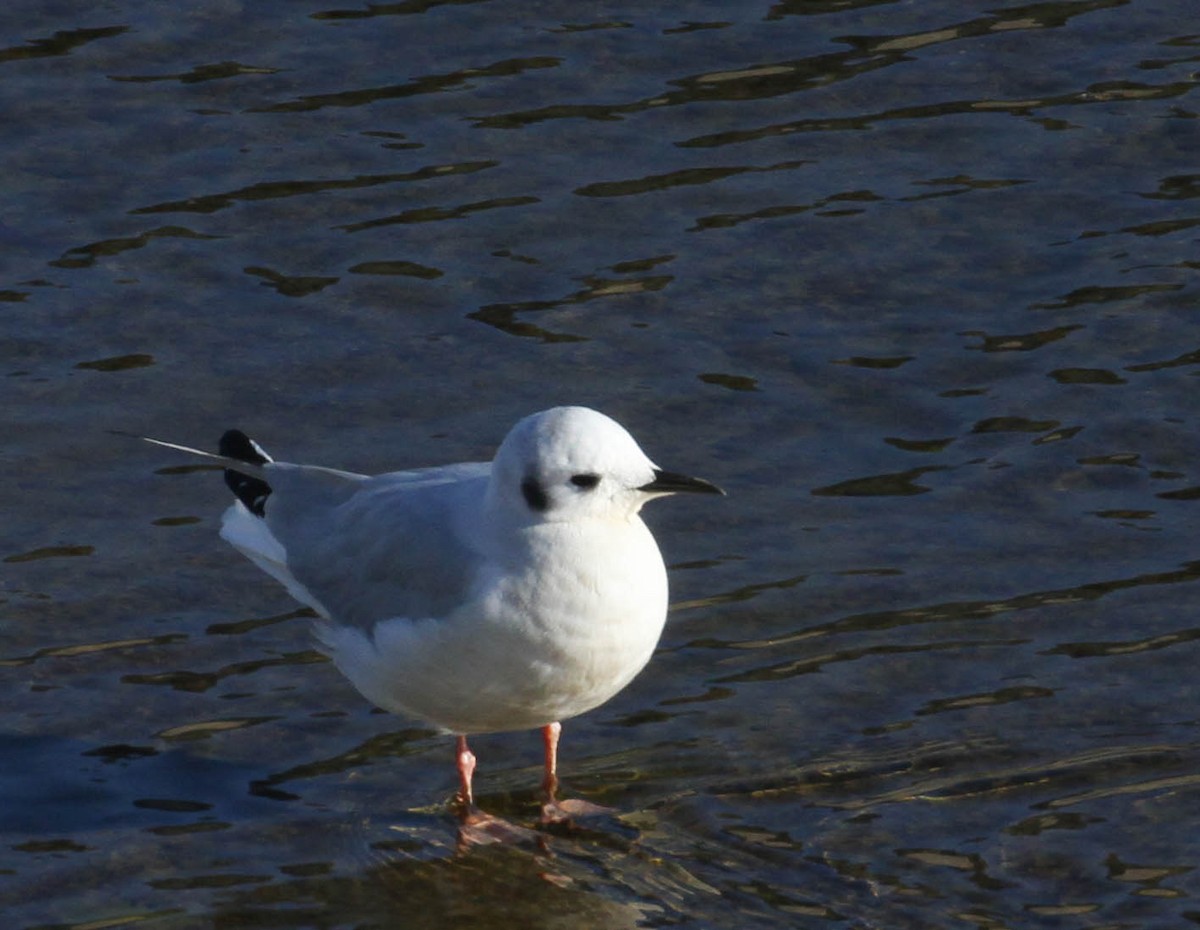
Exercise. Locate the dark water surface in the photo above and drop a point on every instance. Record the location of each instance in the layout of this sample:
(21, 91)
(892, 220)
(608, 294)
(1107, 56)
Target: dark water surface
(915, 281)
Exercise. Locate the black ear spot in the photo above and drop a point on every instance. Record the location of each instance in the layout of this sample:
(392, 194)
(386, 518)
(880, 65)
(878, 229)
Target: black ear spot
(587, 481)
(534, 495)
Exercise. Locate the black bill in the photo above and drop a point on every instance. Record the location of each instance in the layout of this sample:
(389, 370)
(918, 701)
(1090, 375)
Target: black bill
(669, 482)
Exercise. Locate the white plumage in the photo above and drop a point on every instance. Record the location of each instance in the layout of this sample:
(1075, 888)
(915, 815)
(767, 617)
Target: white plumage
(478, 597)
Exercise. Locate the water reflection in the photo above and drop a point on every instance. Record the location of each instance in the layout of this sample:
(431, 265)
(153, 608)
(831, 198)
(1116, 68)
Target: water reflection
(63, 42)
(497, 888)
(505, 317)
(948, 613)
(431, 84)
(211, 203)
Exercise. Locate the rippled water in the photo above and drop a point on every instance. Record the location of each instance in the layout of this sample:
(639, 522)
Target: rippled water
(916, 282)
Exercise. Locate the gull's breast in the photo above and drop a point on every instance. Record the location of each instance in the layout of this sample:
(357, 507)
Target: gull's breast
(548, 642)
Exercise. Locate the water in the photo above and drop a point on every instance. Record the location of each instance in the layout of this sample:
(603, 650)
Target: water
(916, 282)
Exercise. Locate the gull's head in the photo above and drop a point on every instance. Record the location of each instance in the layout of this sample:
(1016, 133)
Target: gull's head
(571, 463)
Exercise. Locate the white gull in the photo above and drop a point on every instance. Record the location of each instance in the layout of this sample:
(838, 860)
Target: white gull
(480, 597)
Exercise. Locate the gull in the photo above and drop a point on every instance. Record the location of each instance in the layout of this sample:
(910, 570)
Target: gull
(478, 597)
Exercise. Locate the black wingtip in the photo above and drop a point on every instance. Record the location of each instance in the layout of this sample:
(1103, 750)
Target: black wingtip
(237, 445)
(251, 491)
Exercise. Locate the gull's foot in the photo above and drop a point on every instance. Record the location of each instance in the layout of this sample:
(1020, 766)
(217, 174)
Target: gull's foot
(481, 829)
(563, 812)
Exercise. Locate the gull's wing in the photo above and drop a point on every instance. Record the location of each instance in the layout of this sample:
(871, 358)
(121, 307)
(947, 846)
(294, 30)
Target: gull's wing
(363, 549)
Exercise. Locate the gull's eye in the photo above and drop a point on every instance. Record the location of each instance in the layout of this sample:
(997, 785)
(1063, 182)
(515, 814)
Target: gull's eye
(587, 482)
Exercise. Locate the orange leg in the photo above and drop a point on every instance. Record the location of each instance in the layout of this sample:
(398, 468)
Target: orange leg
(478, 828)
(466, 770)
(550, 735)
(554, 810)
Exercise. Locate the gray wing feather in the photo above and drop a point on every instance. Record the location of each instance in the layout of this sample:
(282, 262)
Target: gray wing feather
(375, 548)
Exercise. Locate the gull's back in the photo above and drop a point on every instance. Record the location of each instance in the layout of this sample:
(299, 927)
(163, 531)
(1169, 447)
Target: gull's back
(362, 549)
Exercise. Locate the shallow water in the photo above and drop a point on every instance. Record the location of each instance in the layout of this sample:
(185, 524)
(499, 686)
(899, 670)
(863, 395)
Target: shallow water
(916, 282)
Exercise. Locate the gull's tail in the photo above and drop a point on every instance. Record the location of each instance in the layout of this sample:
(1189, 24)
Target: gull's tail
(243, 525)
(243, 459)
(249, 488)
